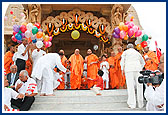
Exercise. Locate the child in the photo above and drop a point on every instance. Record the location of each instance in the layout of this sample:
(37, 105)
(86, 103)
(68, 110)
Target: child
(99, 83)
(104, 66)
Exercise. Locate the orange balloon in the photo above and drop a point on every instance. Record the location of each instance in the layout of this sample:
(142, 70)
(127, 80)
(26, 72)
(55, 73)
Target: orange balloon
(24, 23)
(125, 28)
(139, 47)
(39, 34)
(126, 37)
(46, 38)
(121, 25)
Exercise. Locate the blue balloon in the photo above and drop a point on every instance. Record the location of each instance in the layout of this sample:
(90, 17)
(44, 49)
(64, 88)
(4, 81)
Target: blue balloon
(18, 36)
(34, 41)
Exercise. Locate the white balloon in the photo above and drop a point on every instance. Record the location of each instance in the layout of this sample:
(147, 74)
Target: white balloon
(39, 44)
(27, 34)
(29, 26)
(95, 47)
(33, 37)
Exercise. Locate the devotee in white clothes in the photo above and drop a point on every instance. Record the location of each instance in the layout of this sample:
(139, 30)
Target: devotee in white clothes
(104, 66)
(44, 68)
(57, 77)
(131, 64)
(14, 58)
(36, 54)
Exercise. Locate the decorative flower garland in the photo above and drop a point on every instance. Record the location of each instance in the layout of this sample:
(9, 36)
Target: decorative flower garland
(91, 30)
(49, 32)
(88, 24)
(102, 32)
(97, 34)
(56, 31)
(64, 28)
(84, 27)
(77, 26)
(104, 39)
(70, 26)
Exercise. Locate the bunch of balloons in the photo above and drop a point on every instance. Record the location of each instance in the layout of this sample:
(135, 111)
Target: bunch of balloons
(126, 30)
(142, 42)
(32, 32)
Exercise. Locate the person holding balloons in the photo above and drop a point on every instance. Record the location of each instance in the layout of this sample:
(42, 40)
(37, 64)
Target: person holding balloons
(22, 55)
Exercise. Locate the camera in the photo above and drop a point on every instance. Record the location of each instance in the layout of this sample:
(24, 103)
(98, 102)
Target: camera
(148, 78)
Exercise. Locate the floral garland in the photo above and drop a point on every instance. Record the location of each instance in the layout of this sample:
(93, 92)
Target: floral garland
(91, 30)
(77, 26)
(49, 32)
(64, 28)
(84, 27)
(97, 34)
(65, 22)
(70, 26)
(88, 24)
(56, 31)
(76, 21)
(103, 30)
(104, 39)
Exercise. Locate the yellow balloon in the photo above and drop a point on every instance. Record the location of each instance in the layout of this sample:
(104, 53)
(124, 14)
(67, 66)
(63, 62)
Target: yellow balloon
(121, 25)
(24, 23)
(139, 47)
(46, 38)
(75, 34)
(126, 37)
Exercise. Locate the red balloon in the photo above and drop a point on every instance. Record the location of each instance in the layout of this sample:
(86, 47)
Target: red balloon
(14, 39)
(11, 12)
(144, 44)
(14, 33)
(23, 28)
(37, 25)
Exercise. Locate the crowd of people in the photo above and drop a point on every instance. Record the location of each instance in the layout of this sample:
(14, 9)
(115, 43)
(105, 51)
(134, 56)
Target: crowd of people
(31, 70)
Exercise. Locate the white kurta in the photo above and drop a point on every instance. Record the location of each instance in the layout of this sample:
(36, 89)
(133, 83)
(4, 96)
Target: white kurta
(155, 97)
(132, 63)
(45, 68)
(9, 93)
(21, 49)
(106, 72)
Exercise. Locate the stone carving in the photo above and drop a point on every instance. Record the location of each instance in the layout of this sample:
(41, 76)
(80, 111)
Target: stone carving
(117, 14)
(34, 13)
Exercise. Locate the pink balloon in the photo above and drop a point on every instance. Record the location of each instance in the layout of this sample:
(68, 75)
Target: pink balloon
(22, 14)
(122, 34)
(130, 32)
(13, 20)
(130, 25)
(23, 28)
(49, 44)
(50, 38)
(135, 28)
(46, 44)
(126, 23)
(138, 33)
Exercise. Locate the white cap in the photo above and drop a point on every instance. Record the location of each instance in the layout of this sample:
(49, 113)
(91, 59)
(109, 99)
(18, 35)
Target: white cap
(39, 44)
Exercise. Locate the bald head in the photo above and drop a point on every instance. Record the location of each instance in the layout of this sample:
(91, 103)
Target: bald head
(89, 51)
(61, 51)
(112, 54)
(77, 51)
(120, 49)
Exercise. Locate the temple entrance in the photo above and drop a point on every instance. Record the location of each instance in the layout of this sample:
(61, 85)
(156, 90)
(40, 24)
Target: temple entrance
(68, 44)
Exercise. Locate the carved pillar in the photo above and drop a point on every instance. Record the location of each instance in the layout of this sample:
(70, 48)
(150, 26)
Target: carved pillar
(34, 13)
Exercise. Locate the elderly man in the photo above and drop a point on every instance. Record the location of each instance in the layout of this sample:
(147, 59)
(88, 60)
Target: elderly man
(8, 59)
(151, 59)
(22, 55)
(76, 63)
(13, 76)
(155, 98)
(9, 94)
(92, 67)
(44, 69)
(131, 64)
(27, 86)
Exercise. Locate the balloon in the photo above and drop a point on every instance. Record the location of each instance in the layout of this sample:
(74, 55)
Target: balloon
(49, 44)
(130, 25)
(18, 36)
(29, 26)
(122, 34)
(46, 38)
(20, 32)
(75, 34)
(39, 44)
(27, 34)
(116, 35)
(138, 33)
(23, 35)
(14, 33)
(126, 37)
(126, 23)
(125, 28)
(11, 12)
(22, 14)
(34, 41)
(14, 17)
(50, 38)
(40, 30)
(5, 18)
(33, 37)
(95, 47)
(24, 23)
(34, 30)
(144, 37)
(39, 34)
(46, 44)
(37, 25)
(139, 47)
(130, 32)
(135, 28)
(121, 24)
(132, 18)
(144, 44)
(19, 41)
(14, 39)
(23, 28)
(16, 28)
(117, 30)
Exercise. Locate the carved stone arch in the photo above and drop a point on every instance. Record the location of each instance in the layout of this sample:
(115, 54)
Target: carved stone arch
(64, 15)
(49, 20)
(82, 17)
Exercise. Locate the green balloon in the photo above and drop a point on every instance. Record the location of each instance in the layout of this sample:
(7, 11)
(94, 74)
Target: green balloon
(20, 32)
(144, 37)
(34, 30)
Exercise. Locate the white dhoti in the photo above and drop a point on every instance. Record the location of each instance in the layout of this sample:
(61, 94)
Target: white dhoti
(96, 89)
(132, 80)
